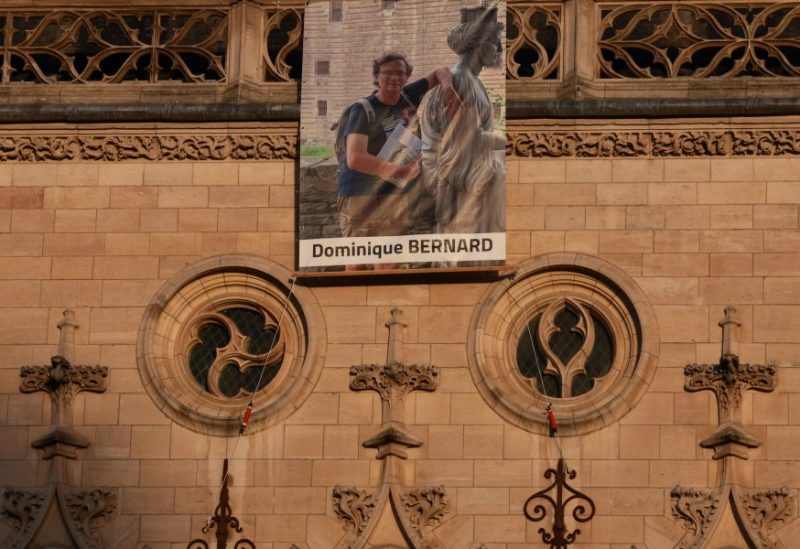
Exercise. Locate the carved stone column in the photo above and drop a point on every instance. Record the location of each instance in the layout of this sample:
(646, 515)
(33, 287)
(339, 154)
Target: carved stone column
(59, 508)
(394, 511)
(757, 513)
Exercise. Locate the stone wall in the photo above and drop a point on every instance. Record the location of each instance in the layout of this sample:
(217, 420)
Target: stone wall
(695, 233)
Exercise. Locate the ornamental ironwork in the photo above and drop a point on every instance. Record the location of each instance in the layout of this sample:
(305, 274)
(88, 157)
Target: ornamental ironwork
(566, 499)
(114, 46)
(698, 40)
(533, 41)
(223, 520)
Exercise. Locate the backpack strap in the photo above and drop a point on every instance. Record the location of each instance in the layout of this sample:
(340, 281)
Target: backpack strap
(367, 106)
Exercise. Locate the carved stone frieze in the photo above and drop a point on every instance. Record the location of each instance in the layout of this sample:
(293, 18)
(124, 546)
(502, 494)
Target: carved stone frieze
(240, 146)
(21, 511)
(394, 380)
(652, 143)
(354, 506)
(696, 509)
(425, 507)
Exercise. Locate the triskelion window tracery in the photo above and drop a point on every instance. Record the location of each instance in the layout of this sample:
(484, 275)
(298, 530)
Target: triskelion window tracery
(235, 351)
(227, 331)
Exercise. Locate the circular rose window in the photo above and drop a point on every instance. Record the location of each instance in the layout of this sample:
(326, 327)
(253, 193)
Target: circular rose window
(570, 331)
(226, 331)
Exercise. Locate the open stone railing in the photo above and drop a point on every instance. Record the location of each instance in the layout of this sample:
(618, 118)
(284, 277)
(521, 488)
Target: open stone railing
(251, 50)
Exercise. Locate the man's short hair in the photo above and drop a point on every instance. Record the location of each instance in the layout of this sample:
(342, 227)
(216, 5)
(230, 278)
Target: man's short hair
(388, 57)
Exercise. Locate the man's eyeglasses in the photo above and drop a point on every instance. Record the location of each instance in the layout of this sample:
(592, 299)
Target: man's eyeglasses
(398, 74)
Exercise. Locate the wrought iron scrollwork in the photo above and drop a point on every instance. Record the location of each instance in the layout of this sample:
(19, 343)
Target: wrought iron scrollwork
(114, 46)
(535, 507)
(534, 34)
(223, 520)
(699, 40)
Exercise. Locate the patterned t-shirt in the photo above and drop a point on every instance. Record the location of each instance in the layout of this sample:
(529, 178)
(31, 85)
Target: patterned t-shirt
(377, 129)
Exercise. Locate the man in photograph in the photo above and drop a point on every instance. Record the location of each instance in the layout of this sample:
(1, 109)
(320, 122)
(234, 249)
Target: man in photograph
(371, 200)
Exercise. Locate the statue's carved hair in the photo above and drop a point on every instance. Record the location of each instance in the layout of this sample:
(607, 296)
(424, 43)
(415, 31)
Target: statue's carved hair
(477, 25)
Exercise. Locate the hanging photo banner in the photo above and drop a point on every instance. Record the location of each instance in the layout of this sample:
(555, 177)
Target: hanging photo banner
(402, 139)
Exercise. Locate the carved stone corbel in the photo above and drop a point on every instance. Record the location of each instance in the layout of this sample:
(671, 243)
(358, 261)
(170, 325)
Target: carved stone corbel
(393, 509)
(757, 512)
(59, 506)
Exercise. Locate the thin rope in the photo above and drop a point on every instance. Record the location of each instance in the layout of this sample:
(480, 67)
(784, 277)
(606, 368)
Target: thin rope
(555, 435)
(258, 387)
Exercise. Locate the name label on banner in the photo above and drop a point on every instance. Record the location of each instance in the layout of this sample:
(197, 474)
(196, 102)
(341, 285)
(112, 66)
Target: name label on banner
(422, 248)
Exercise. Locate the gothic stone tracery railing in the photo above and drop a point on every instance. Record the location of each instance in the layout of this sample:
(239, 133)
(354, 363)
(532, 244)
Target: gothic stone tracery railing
(698, 40)
(114, 46)
(174, 45)
(534, 40)
(554, 48)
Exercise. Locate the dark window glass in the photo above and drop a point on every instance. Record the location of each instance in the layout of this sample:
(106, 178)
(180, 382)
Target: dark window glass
(245, 367)
(565, 343)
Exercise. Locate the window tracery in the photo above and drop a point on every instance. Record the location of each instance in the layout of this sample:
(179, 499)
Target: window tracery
(227, 331)
(565, 349)
(114, 46)
(235, 351)
(533, 38)
(571, 331)
(699, 40)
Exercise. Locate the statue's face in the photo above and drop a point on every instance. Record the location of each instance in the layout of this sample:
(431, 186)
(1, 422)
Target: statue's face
(487, 53)
(392, 76)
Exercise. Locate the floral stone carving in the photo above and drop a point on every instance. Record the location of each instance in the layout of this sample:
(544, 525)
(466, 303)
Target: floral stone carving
(152, 147)
(666, 143)
(425, 507)
(83, 513)
(354, 506)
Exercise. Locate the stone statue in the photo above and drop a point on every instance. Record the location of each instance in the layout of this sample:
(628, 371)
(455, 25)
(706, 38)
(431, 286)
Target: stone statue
(463, 161)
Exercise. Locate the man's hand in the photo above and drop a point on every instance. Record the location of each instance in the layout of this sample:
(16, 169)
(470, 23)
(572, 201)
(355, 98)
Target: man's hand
(405, 172)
